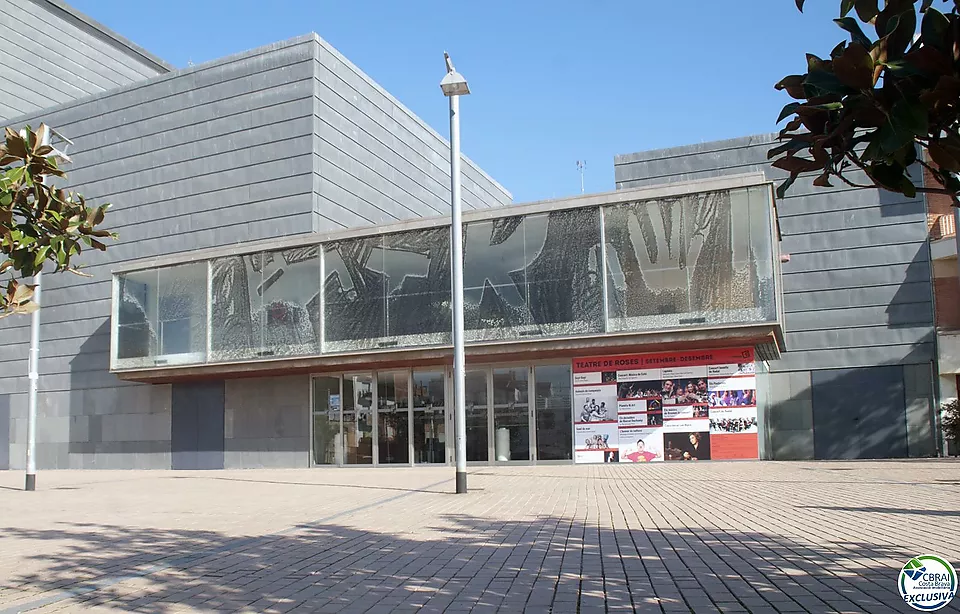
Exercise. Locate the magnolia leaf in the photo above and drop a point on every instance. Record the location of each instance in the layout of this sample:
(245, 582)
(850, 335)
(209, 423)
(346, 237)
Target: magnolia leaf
(800, 4)
(21, 293)
(934, 28)
(855, 67)
(867, 10)
(793, 164)
(846, 6)
(790, 146)
(793, 84)
(787, 111)
(911, 117)
(856, 34)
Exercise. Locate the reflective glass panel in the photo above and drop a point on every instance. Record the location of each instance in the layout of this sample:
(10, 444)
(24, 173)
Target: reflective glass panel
(236, 307)
(416, 265)
(494, 279)
(326, 420)
(137, 333)
(358, 419)
(554, 417)
(429, 431)
(477, 411)
(182, 314)
(393, 419)
(563, 273)
(354, 295)
(511, 414)
(290, 316)
(162, 316)
(690, 260)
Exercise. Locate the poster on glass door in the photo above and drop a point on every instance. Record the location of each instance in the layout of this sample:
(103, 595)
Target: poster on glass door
(682, 406)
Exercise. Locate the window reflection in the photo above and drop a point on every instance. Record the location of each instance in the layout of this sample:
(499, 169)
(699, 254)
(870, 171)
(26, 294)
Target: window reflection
(162, 316)
(534, 275)
(686, 261)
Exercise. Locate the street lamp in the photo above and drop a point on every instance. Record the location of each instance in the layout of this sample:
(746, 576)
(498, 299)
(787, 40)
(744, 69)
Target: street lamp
(454, 86)
(46, 135)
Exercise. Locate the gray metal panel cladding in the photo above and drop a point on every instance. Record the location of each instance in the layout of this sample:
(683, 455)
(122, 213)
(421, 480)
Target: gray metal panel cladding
(375, 160)
(857, 290)
(50, 54)
(180, 178)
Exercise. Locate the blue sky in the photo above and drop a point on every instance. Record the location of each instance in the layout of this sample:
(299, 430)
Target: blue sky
(553, 82)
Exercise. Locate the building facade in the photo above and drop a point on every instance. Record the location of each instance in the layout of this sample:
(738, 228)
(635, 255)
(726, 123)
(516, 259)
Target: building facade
(279, 295)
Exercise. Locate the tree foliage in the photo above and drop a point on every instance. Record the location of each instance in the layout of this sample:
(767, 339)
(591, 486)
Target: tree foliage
(878, 99)
(40, 224)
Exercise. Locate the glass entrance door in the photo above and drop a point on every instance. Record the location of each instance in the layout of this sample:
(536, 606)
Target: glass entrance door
(327, 444)
(393, 417)
(429, 417)
(477, 413)
(554, 393)
(511, 414)
(358, 419)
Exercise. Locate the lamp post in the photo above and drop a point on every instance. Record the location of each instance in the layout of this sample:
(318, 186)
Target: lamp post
(46, 134)
(454, 86)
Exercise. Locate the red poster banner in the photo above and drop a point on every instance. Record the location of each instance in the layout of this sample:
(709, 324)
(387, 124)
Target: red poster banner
(728, 447)
(656, 361)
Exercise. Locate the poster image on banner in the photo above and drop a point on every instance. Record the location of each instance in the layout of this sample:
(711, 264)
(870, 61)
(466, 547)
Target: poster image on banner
(685, 391)
(679, 412)
(733, 398)
(687, 445)
(733, 421)
(642, 389)
(595, 403)
(595, 436)
(639, 419)
(641, 445)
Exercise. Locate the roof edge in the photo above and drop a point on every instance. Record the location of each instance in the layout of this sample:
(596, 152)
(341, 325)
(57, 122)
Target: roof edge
(62, 9)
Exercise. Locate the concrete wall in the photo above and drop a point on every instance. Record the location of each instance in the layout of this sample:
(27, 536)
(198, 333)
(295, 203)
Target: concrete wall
(212, 155)
(50, 54)
(857, 290)
(266, 422)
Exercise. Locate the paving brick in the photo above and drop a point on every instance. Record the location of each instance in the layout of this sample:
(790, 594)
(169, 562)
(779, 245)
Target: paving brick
(720, 537)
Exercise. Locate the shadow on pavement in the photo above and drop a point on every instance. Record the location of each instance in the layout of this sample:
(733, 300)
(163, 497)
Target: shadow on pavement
(536, 565)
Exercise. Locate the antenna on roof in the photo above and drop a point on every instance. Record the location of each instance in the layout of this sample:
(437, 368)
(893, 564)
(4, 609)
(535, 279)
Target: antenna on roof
(581, 166)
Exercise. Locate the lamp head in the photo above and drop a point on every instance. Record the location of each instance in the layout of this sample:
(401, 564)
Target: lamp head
(453, 83)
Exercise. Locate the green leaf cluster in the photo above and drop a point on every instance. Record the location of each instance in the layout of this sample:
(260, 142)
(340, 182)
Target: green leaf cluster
(882, 102)
(40, 224)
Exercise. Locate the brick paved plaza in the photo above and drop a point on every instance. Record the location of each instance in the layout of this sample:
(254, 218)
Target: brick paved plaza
(729, 537)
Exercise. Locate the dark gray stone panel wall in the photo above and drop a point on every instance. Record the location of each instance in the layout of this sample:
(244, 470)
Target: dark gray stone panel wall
(50, 54)
(267, 422)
